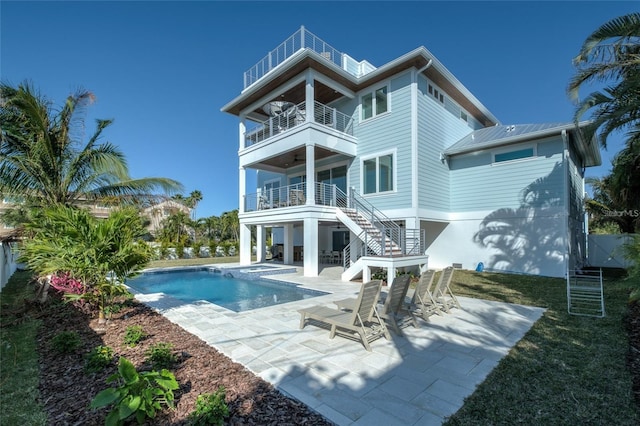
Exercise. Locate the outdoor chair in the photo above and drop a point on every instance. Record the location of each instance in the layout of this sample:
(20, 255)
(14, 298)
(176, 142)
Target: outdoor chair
(424, 302)
(362, 322)
(443, 294)
(296, 197)
(394, 310)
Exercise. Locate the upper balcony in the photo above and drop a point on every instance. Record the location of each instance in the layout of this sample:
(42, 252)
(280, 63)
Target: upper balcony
(287, 115)
(304, 39)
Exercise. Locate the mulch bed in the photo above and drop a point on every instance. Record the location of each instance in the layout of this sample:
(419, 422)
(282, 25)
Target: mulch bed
(66, 389)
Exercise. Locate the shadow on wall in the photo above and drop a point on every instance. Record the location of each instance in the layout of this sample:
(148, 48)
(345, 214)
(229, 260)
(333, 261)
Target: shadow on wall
(531, 238)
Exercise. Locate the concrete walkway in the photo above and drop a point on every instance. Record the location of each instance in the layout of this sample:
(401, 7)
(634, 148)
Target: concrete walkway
(419, 379)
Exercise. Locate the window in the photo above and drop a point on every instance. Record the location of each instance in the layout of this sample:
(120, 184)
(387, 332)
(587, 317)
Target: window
(513, 155)
(377, 174)
(436, 94)
(374, 103)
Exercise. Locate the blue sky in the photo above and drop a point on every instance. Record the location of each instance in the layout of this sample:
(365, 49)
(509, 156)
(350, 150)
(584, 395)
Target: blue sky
(163, 70)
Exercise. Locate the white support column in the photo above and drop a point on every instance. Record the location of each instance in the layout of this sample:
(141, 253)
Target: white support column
(242, 189)
(260, 243)
(366, 273)
(310, 252)
(311, 174)
(242, 178)
(308, 99)
(245, 244)
(391, 274)
(288, 244)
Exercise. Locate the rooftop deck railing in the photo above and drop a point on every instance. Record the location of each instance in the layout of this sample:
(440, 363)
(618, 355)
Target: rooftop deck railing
(295, 116)
(301, 39)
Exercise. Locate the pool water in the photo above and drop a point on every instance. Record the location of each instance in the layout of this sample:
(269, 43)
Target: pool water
(216, 286)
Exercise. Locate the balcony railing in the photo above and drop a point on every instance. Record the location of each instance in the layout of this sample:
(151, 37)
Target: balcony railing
(301, 39)
(292, 195)
(295, 116)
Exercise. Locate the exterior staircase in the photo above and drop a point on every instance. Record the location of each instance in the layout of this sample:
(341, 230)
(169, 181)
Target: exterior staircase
(377, 235)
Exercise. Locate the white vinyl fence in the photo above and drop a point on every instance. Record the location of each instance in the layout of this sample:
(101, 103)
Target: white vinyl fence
(8, 261)
(605, 251)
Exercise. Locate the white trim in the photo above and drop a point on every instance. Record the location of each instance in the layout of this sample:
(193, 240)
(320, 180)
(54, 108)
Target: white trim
(394, 153)
(371, 90)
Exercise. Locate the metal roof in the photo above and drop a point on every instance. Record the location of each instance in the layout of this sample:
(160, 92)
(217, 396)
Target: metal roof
(491, 137)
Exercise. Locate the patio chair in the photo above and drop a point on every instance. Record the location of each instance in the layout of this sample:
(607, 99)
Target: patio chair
(296, 197)
(362, 322)
(394, 310)
(424, 302)
(442, 292)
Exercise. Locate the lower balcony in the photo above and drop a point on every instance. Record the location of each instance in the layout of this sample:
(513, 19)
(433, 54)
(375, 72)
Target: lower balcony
(293, 195)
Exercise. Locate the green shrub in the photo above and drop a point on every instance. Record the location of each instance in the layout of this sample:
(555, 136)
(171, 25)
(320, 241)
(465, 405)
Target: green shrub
(160, 355)
(133, 335)
(98, 359)
(138, 395)
(211, 409)
(66, 342)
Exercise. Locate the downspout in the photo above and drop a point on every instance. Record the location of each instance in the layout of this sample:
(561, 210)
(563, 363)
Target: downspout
(567, 207)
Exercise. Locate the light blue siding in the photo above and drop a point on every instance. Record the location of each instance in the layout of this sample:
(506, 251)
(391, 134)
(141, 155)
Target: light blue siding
(437, 129)
(391, 130)
(576, 217)
(477, 184)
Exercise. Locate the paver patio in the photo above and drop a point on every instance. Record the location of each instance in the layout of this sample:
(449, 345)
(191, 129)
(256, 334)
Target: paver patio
(418, 379)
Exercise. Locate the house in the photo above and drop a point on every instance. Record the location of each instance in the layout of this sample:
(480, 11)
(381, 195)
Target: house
(158, 212)
(398, 166)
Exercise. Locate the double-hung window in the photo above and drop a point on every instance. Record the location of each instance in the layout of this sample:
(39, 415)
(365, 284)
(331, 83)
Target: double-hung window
(374, 103)
(377, 174)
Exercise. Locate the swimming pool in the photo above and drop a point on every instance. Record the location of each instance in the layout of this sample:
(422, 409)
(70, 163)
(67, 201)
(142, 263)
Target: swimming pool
(220, 287)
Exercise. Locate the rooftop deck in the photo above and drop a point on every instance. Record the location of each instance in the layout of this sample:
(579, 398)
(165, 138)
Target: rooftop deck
(304, 39)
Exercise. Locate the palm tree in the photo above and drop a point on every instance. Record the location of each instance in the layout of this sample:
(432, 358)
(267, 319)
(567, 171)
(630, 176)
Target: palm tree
(44, 160)
(230, 225)
(611, 53)
(192, 202)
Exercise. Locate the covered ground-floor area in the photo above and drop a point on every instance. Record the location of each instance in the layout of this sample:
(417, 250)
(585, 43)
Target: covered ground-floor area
(319, 238)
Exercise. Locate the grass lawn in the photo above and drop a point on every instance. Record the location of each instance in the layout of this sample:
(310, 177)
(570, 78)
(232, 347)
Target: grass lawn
(18, 356)
(194, 262)
(566, 370)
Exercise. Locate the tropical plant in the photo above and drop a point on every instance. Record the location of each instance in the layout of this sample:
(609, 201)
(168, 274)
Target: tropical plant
(100, 253)
(160, 355)
(98, 359)
(138, 395)
(44, 161)
(230, 225)
(211, 408)
(133, 335)
(610, 54)
(192, 202)
(175, 228)
(614, 201)
(66, 342)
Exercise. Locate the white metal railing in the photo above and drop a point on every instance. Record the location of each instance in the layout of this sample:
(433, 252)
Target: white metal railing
(301, 39)
(295, 116)
(273, 198)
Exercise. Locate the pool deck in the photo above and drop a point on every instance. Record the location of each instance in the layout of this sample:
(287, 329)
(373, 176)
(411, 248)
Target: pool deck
(419, 379)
